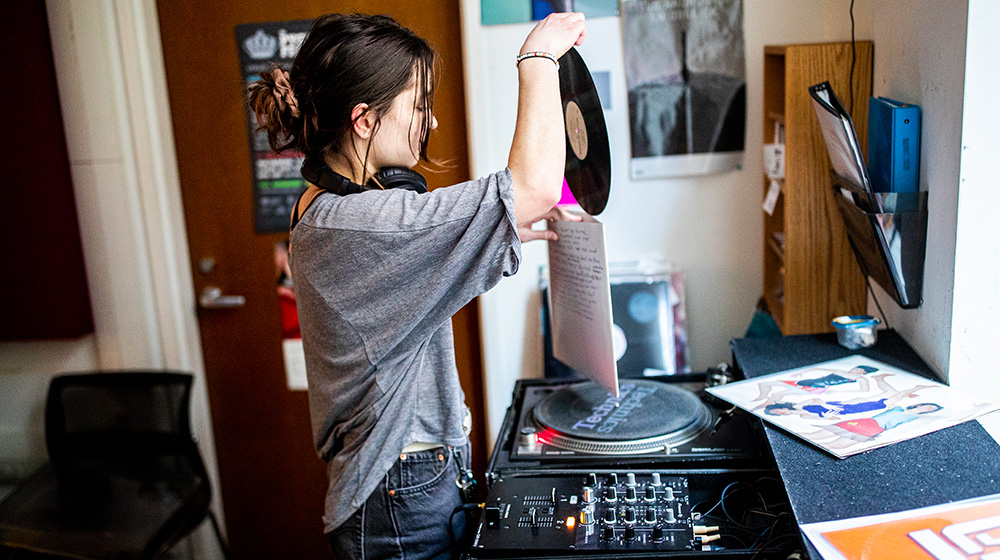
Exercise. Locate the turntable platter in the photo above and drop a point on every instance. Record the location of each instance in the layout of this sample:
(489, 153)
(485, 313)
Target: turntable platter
(648, 416)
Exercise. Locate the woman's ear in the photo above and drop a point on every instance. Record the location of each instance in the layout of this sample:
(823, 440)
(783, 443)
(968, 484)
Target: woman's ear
(363, 121)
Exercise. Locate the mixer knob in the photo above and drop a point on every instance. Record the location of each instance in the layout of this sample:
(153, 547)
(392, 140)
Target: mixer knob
(650, 494)
(611, 494)
(656, 479)
(588, 495)
(610, 517)
(668, 493)
(630, 479)
(592, 480)
(629, 533)
(630, 494)
(630, 516)
(650, 516)
(587, 516)
(658, 534)
(612, 479)
(608, 533)
(668, 516)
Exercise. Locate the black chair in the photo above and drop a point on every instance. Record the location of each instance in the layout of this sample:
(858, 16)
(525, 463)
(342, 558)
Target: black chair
(124, 479)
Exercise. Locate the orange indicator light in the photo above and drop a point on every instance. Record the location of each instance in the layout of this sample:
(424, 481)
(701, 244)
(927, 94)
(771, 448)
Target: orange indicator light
(570, 522)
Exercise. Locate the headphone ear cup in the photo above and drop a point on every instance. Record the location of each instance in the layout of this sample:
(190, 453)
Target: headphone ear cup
(398, 178)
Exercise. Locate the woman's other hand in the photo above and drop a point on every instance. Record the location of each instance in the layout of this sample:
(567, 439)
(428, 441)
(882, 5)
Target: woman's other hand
(526, 233)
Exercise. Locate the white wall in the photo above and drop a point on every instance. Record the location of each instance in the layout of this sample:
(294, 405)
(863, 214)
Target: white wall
(709, 227)
(976, 310)
(942, 56)
(25, 370)
(928, 68)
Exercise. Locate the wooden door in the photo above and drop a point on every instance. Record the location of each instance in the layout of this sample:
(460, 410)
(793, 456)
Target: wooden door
(272, 482)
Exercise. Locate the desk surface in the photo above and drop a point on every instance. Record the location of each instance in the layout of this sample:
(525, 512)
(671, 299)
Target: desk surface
(944, 466)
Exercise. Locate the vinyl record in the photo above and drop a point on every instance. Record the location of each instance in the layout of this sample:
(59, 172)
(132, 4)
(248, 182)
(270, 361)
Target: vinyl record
(588, 155)
(646, 412)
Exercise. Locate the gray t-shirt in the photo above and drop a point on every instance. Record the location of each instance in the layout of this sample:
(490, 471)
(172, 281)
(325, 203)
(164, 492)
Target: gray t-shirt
(378, 276)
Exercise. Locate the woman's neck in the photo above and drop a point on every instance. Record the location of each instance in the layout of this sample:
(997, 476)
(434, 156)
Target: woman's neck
(342, 165)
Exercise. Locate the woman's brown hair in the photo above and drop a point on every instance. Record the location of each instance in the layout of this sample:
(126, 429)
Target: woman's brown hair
(346, 59)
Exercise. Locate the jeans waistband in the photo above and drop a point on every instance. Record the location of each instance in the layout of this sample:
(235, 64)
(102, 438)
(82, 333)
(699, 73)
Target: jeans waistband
(420, 446)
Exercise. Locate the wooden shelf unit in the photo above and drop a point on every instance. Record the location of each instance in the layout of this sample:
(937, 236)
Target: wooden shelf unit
(815, 276)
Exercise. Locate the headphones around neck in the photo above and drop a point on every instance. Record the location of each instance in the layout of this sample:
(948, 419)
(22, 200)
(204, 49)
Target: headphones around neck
(318, 173)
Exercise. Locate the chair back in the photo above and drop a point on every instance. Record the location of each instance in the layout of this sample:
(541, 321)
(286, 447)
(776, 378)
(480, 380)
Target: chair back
(121, 418)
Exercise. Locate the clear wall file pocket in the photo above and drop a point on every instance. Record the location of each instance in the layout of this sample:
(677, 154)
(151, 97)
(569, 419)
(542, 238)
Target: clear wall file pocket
(888, 233)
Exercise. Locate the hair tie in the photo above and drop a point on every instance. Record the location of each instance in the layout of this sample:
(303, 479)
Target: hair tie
(283, 93)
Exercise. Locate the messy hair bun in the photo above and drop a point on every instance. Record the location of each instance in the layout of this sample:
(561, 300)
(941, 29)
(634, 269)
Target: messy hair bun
(273, 101)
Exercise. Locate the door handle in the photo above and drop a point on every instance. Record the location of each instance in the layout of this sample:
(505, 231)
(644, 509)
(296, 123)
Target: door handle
(212, 298)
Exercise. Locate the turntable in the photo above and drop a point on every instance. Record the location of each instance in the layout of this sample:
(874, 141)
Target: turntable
(559, 423)
(578, 471)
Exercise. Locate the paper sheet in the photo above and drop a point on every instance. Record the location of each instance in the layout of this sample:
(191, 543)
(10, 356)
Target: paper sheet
(965, 530)
(580, 301)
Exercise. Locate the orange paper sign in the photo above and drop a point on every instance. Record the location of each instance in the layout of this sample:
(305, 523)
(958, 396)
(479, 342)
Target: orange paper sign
(957, 531)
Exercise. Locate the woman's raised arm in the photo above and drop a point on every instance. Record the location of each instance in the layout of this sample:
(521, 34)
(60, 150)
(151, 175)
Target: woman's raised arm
(538, 152)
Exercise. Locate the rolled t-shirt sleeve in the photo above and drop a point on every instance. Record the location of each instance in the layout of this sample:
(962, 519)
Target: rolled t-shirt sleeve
(397, 262)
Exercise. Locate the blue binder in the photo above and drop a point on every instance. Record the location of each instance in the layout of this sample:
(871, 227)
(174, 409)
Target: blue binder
(893, 145)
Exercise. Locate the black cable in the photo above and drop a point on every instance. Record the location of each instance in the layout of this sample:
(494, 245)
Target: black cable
(764, 549)
(451, 520)
(742, 543)
(723, 498)
(875, 299)
(853, 59)
(770, 521)
(773, 526)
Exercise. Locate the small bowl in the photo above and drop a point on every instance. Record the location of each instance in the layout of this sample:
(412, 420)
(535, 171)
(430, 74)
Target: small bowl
(856, 331)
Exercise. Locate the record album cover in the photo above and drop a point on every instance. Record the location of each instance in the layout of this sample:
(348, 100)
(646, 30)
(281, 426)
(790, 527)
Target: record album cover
(853, 404)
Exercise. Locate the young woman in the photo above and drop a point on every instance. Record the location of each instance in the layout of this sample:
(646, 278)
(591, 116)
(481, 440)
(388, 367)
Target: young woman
(379, 271)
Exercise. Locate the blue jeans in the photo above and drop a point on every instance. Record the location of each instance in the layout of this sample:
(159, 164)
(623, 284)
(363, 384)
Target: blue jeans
(408, 515)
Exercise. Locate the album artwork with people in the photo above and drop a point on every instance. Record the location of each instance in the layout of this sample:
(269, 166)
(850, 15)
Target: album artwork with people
(853, 404)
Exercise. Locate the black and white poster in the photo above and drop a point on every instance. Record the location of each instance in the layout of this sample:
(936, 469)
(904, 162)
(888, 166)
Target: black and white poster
(277, 182)
(686, 75)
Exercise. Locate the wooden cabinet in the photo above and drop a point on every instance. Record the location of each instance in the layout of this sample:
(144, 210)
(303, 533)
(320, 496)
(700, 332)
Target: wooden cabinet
(810, 272)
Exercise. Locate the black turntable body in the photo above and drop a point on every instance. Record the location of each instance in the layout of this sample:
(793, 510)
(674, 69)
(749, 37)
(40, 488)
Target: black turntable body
(663, 470)
(566, 424)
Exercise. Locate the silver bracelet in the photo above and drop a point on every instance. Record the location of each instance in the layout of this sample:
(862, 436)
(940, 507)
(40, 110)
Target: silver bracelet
(537, 54)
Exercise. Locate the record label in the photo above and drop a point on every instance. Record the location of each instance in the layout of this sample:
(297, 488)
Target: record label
(576, 130)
